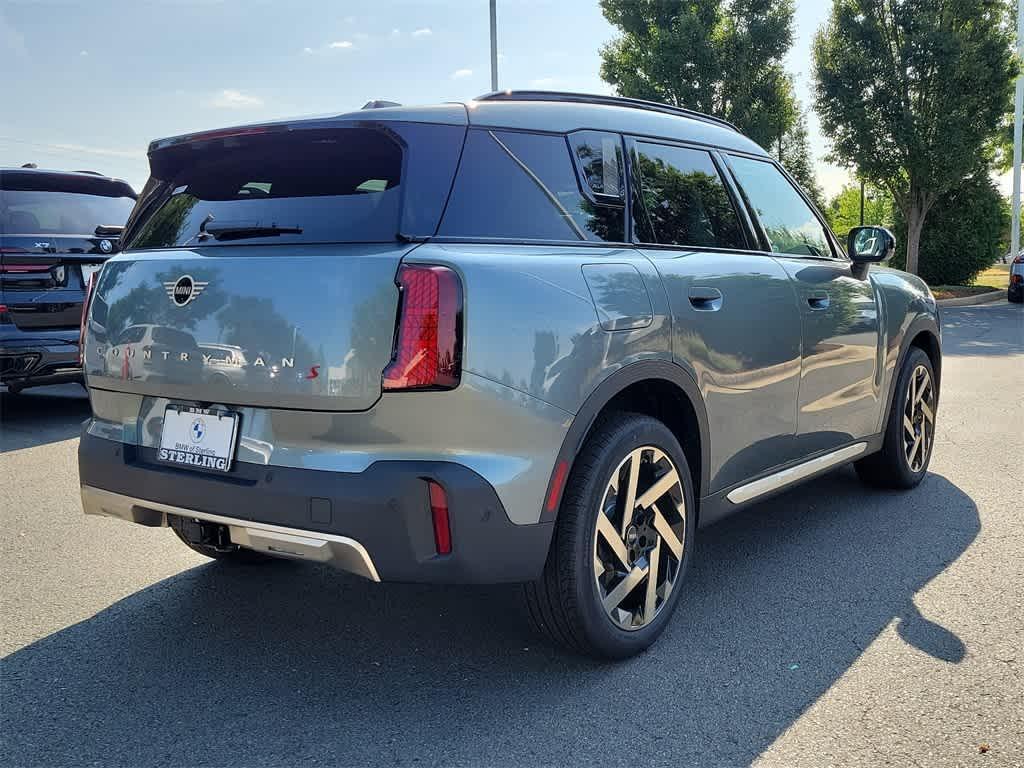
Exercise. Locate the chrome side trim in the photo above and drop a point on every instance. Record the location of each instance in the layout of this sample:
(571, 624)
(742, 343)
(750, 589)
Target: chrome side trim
(784, 477)
(279, 541)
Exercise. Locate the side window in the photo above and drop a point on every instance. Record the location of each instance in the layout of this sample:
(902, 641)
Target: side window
(682, 199)
(788, 221)
(523, 185)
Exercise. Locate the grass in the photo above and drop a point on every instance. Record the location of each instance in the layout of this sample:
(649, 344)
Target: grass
(994, 278)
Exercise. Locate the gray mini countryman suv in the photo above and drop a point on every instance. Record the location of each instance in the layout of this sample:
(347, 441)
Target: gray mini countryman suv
(536, 337)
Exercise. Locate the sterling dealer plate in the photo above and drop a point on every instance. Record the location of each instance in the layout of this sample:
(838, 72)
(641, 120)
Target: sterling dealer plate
(198, 438)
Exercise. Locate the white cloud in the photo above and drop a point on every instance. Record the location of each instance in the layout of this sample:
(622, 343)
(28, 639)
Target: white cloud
(341, 44)
(83, 53)
(423, 32)
(458, 74)
(396, 32)
(307, 49)
(232, 99)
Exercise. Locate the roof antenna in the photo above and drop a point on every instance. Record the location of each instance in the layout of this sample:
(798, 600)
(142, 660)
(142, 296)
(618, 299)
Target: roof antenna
(380, 103)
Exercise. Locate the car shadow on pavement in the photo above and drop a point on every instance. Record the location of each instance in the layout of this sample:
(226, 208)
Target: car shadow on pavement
(287, 664)
(41, 416)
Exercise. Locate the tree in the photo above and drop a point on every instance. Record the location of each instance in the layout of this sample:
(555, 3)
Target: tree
(793, 150)
(965, 232)
(721, 58)
(843, 212)
(911, 92)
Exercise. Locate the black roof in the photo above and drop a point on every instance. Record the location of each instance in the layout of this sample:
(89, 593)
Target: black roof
(47, 180)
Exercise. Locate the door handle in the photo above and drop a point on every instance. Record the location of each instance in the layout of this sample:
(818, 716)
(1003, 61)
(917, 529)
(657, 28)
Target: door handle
(705, 299)
(818, 300)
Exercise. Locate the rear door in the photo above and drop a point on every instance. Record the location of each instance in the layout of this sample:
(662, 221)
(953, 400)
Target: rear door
(49, 245)
(840, 387)
(260, 266)
(736, 324)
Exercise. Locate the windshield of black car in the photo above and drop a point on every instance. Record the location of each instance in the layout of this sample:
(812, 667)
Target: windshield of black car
(36, 212)
(321, 185)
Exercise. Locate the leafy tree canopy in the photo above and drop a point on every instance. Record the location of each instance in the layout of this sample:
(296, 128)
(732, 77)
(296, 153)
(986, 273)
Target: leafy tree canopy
(843, 211)
(911, 92)
(721, 58)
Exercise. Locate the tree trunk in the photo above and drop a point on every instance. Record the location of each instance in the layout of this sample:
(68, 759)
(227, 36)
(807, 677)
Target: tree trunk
(916, 212)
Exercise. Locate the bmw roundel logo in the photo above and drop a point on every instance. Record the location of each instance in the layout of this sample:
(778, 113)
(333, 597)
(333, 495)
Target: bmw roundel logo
(105, 246)
(184, 289)
(197, 431)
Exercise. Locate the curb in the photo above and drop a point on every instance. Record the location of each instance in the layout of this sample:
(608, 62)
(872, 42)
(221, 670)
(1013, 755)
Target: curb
(978, 298)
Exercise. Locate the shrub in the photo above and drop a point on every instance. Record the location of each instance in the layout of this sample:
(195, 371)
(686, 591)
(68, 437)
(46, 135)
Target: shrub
(962, 234)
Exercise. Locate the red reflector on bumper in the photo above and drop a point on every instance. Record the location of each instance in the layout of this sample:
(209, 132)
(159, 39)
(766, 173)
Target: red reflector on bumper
(439, 514)
(557, 481)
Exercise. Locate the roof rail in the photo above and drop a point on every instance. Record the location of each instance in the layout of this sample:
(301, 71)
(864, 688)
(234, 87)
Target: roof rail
(614, 101)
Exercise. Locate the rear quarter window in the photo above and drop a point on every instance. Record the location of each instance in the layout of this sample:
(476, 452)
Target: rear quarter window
(525, 186)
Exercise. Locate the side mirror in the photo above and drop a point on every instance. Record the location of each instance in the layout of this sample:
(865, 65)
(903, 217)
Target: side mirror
(866, 245)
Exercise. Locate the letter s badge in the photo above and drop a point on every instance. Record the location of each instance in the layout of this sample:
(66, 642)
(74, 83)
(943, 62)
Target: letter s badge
(314, 372)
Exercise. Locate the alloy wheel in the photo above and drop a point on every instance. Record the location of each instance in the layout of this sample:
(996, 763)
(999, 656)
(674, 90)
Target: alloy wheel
(639, 537)
(918, 418)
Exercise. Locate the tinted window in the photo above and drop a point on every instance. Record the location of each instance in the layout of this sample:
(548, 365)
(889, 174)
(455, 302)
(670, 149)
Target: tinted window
(521, 185)
(599, 156)
(33, 212)
(788, 221)
(682, 200)
(333, 184)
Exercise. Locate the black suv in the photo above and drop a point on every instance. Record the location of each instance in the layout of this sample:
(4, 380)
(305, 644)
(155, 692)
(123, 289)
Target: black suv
(56, 230)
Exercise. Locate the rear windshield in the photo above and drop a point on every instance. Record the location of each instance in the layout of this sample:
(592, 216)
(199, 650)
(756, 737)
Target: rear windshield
(310, 186)
(60, 212)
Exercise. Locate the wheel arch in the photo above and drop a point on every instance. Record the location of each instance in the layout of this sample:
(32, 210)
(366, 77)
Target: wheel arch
(922, 333)
(650, 387)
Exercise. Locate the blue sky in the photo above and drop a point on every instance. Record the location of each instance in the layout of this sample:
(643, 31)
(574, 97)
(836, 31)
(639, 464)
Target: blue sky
(87, 85)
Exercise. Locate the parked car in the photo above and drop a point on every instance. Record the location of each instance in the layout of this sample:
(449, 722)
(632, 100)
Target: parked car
(537, 338)
(56, 230)
(1015, 290)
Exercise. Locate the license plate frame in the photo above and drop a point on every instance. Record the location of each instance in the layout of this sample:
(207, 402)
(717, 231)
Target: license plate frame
(199, 439)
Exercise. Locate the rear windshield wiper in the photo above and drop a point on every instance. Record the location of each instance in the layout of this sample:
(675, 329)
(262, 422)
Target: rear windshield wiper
(241, 231)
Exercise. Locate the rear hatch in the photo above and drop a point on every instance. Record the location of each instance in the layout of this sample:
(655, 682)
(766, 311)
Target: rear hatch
(49, 243)
(260, 263)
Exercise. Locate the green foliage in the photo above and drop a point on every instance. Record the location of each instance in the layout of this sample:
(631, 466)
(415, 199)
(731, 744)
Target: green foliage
(725, 59)
(912, 92)
(965, 233)
(843, 211)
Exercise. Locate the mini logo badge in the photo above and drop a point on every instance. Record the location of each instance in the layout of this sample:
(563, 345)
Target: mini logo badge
(184, 289)
(105, 246)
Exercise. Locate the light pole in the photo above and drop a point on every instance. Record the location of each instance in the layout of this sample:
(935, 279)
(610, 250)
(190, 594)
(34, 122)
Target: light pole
(1018, 119)
(494, 45)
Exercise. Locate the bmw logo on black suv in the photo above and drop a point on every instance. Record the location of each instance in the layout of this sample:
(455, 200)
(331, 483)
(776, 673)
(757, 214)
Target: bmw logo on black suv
(538, 337)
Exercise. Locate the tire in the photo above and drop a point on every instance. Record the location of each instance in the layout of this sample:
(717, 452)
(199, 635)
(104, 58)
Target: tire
(568, 602)
(1015, 297)
(893, 466)
(229, 554)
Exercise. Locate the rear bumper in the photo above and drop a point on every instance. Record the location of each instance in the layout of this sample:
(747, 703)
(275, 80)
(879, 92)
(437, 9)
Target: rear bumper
(34, 359)
(375, 523)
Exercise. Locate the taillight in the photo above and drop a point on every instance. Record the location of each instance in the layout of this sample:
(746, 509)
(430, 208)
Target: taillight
(5, 316)
(428, 341)
(85, 314)
(439, 516)
(1019, 259)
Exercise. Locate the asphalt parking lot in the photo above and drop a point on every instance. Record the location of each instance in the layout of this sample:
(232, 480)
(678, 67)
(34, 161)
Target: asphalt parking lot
(832, 625)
